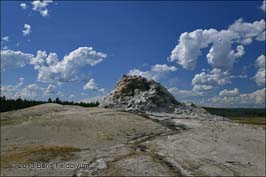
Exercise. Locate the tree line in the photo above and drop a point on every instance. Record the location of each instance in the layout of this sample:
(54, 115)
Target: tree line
(8, 104)
(237, 112)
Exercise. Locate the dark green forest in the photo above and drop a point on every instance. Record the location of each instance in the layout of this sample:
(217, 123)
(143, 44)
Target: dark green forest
(237, 112)
(14, 104)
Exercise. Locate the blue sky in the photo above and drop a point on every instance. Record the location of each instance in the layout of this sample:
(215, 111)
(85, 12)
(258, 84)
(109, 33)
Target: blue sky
(211, 53)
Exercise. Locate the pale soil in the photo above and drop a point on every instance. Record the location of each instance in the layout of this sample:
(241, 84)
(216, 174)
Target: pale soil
(117, 143)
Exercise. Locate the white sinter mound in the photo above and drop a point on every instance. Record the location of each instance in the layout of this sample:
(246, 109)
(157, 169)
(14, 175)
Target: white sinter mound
(138, 94)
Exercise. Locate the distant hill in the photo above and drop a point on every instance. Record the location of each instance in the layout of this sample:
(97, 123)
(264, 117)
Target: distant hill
(15, 104)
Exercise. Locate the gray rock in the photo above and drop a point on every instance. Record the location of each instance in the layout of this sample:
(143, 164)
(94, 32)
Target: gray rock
(138, 94)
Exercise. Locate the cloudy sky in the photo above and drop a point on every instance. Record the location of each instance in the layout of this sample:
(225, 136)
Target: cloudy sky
(211, 53)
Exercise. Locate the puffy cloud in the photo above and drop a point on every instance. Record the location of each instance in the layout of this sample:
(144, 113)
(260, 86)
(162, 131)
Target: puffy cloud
(65, 70)
(21, 79)
(229, 93)
(156, 72)
(48, 65)
(183, 93)
(253, 99)
(10, 90)
(39, 60)
(261, 37)
(27, 30)
(83, 55)
(6, 38)
(202, 88)
(207, 81)
(98, 98)
(189, 47)
(260, 62)
(72, 96)
(4, 41)
(31, 91)
(247, 30)
(51, 90)
(91, 85)
(146, 74)
(241, 76)
(260, 75)
(43, 59)
(221, 54)
(41, 6)
(52, 59)
(14, 59)
(263, 6)
(23, 6)
(163, 68)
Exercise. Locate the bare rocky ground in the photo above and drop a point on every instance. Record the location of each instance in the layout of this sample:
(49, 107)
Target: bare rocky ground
(116, 143)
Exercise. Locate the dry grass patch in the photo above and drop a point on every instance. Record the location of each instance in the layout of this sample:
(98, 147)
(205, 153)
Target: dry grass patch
(38, 154)
(12, 121)
(250, 120)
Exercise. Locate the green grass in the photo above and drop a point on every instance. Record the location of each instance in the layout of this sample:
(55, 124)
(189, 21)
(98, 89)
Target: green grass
(250, 120)
(38, 154)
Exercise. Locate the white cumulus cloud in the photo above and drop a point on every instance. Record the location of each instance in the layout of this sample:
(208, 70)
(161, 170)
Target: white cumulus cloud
(202, 88)
(6, 38)
(10, 90)
(253, 99)
(98, 98)
(163, 68)
(27, 30)
(146, 74)
(226, 46)
(206, 81)
(260, 75)
(241, 76)
(91, 85)
(51, 69)
(189, 47)
(23, 6)
(51, 90)
(261, 37)
(39, 60)
(229, 93)
(72, 96)
(14, 59)
(31, 91)
(247, 30)
(221, 54)
(41, 6)
(221, 51)
(263, 6)
(179, 93)
(156, 72)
